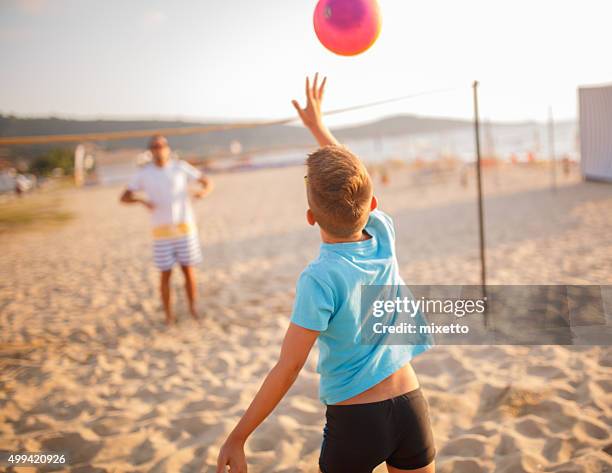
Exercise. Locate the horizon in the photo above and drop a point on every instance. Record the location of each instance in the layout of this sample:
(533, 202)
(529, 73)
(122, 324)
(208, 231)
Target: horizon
(211, 121)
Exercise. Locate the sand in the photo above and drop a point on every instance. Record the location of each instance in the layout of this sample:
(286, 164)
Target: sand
(87, 367)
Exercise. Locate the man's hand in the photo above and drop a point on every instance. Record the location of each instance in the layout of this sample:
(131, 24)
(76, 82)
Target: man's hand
(311, 115)
(207, 188)
(232, 455)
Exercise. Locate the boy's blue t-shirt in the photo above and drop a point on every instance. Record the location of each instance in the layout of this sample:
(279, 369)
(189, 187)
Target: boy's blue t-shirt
(328, 299)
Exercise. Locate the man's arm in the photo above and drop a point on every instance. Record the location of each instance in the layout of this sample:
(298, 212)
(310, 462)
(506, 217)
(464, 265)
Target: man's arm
(294, 352)
(311, 115)
(207, 187)
(128, 197)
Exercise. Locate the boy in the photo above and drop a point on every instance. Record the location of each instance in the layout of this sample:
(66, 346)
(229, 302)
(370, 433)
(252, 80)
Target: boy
(375, 410)
(165, 182)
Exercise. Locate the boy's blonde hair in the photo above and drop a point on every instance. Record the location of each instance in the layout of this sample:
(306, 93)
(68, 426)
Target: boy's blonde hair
(339, 190)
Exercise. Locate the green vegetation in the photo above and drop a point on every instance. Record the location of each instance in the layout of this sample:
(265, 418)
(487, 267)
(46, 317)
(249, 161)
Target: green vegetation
(55, 159)
(35, 211)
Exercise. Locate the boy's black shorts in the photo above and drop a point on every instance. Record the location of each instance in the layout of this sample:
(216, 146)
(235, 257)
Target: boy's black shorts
(359, 437)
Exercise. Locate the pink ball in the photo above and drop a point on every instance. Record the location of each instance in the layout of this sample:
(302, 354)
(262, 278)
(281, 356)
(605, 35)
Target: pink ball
(347, 27)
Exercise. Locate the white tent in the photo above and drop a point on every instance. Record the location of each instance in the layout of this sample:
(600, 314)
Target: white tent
(595, 109)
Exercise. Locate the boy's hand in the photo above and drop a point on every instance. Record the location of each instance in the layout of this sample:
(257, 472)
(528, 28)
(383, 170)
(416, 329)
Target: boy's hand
(232, 455)
(311, 115)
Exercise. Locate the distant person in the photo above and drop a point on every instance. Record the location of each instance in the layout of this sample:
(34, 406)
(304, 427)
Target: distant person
(375, 409)
(22, 184)
(165, 183)
(566, 165)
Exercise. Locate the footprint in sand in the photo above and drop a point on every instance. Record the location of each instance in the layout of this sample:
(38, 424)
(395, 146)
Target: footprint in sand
(78, 450)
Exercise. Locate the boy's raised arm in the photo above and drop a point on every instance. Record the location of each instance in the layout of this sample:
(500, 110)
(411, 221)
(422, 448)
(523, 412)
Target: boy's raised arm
(311, 115)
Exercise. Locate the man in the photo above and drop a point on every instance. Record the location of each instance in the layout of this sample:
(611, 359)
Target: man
(175, 237)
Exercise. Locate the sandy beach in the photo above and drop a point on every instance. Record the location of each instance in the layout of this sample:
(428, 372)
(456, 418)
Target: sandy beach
(88, 368)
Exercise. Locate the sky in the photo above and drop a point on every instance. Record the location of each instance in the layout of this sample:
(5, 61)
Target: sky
(246, 59)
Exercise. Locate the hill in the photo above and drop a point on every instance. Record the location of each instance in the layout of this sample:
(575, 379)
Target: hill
(254, 138)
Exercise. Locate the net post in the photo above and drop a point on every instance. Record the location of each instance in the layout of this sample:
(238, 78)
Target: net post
(551, 149)
(483, 271)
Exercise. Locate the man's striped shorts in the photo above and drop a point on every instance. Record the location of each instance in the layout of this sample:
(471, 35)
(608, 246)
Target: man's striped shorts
(184, 250)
